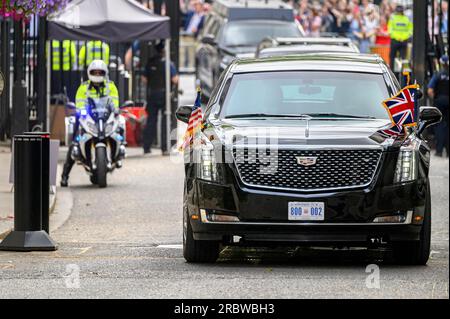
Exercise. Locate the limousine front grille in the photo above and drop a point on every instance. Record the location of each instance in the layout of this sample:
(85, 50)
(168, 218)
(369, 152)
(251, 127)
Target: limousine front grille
(307, 170)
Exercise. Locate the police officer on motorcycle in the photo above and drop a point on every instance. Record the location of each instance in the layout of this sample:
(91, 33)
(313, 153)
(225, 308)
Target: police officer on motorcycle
(97, 86)
(438, 90)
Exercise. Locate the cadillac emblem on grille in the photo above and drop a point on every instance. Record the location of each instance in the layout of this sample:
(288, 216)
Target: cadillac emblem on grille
(306, 160)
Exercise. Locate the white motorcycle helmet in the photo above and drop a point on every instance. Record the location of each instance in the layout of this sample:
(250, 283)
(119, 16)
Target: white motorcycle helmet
(97, 71)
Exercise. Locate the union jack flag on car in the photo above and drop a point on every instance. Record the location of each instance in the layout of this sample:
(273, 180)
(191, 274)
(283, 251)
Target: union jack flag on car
(402, 111)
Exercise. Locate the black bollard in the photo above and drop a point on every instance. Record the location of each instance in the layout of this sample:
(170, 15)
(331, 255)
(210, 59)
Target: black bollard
(31, 195)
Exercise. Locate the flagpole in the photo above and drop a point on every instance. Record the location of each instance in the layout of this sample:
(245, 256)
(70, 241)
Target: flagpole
(416, 104)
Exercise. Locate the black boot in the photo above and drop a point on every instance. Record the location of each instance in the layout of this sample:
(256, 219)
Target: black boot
(64, 180)
(67, 168)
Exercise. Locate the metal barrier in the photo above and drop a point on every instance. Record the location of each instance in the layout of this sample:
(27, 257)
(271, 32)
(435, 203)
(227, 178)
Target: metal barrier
(22, 53)
(383, 51)
(187, 53)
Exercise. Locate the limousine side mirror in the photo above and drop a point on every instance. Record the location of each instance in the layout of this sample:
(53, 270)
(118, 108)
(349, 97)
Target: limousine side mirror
(428, 116)
(183, 113)
(209, 39)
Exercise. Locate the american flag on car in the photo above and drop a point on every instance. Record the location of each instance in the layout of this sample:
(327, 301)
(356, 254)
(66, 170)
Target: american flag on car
(195, 122)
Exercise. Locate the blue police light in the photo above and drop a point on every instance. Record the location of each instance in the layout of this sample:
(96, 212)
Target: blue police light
(77, 138)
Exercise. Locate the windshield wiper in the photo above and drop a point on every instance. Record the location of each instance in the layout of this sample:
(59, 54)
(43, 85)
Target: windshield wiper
(253, 115)
(340, 115)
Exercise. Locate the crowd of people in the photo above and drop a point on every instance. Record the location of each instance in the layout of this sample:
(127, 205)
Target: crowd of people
(365, 21)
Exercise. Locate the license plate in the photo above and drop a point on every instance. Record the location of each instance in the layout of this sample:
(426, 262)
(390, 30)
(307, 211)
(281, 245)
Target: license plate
(306, 211)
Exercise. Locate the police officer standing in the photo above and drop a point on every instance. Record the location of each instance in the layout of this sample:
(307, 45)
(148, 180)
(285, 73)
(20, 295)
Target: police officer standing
(64, 61)
(400, 29)
(155, 77)
(438, 90)
(94, 50)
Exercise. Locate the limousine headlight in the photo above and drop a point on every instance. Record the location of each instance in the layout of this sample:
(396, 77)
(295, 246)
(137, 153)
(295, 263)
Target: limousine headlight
(406, 169)
(207, 160)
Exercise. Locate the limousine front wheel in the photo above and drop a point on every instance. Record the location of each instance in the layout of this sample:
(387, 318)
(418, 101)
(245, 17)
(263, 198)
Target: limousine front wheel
(417, 252)
(197, 251)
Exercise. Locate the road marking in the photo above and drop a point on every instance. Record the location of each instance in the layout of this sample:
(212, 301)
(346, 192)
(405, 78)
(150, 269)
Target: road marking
(173, 246)
(432, 290)
(83, 250)
(7, 266)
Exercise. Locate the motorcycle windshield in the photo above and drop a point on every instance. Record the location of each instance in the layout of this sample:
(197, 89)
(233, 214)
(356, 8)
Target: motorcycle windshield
(101, 108)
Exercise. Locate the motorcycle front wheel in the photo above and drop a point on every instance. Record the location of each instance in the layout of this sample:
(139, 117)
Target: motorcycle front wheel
(102, 170)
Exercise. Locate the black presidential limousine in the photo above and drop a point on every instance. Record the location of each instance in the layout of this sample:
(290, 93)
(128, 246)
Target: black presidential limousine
(291, 153)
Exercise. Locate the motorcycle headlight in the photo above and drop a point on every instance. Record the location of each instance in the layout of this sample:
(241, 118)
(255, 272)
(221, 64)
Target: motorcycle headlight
(207, 160)
(90, 127)
(406, 169)
(110, 128)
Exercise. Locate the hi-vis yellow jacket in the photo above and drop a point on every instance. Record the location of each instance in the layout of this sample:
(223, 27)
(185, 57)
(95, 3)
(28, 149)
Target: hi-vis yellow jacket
(400, 28)
(87, 89)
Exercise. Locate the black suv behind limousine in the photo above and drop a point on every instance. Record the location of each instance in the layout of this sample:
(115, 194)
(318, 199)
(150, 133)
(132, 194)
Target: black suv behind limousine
(291, 153)
(233, 29)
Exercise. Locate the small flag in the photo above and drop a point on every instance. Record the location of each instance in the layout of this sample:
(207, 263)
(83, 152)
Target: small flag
(401, 109)
(195, 122)
(392, 131)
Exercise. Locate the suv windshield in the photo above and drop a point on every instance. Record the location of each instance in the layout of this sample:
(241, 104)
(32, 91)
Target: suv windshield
(250, 33)
(318, 94)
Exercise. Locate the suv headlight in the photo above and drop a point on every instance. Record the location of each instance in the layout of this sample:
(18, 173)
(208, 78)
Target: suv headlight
(207, 159)
(406, 169)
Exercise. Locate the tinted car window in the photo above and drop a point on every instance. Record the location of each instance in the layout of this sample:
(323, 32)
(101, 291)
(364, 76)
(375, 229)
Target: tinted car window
(355, 94)
(245, 33)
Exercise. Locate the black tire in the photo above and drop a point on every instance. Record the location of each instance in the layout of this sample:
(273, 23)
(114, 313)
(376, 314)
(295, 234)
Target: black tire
(102, 170)
(93, 179)
(197, 251)
(417, 252)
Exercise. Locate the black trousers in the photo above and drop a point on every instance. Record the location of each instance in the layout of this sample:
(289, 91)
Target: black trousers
(441, 130)
(65, 81)
(69, 162)
(155, 107)
(397, 47)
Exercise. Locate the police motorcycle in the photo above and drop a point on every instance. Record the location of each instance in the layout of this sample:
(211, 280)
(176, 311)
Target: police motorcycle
(99, 141)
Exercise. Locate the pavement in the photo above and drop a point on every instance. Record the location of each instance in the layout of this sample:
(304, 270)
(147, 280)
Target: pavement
(124, 241)
(6, 194)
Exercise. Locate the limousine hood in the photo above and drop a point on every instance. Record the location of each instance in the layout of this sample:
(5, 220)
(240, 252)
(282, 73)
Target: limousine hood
(298, 133)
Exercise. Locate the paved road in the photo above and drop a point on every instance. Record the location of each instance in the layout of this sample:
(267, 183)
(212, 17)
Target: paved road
(125, 241)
